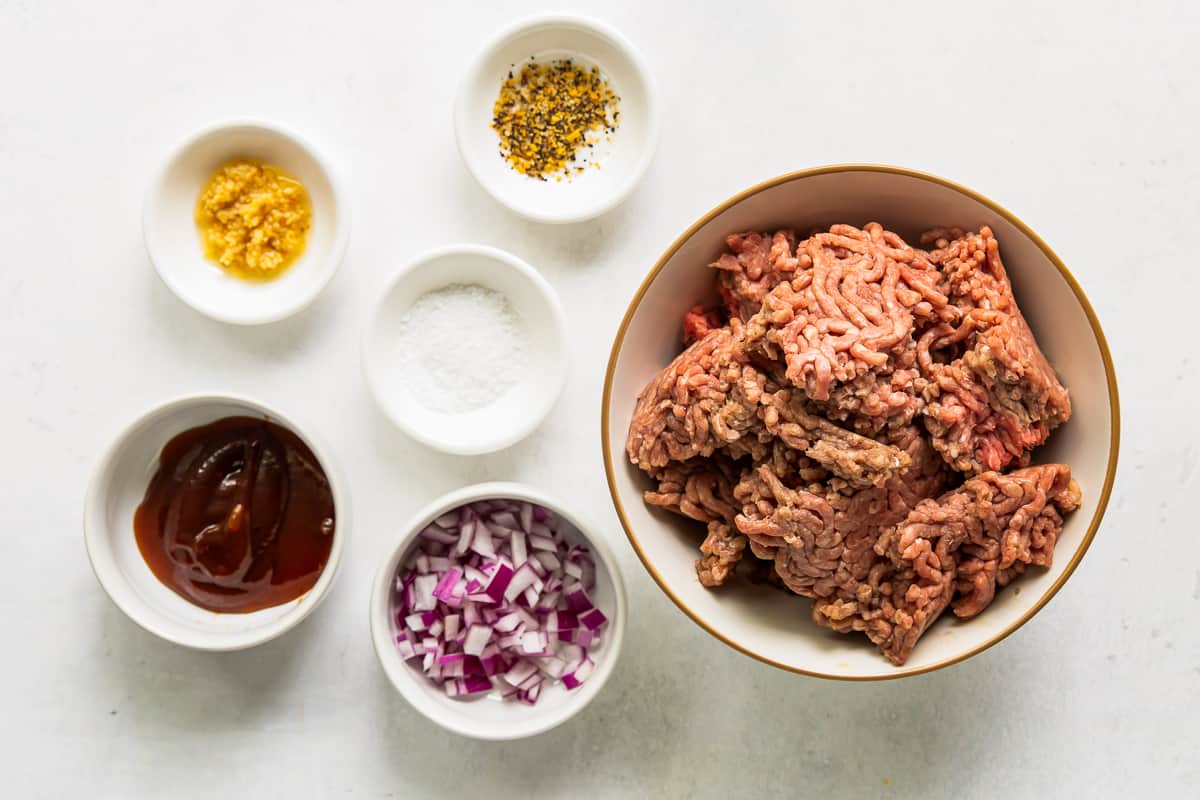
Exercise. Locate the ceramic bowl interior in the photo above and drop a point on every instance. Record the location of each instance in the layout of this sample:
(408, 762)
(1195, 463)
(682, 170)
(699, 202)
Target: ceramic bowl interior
(773, 626)
(117, 488)
(174, 244)
(622, 161)
(518, 410)
(488, 717)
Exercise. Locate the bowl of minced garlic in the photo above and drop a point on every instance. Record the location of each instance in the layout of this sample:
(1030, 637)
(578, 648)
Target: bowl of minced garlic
(246, 223)
(253, 219)
(556, 118)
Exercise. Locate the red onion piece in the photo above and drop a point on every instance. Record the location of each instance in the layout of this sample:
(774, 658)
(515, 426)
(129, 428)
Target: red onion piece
(493, 591)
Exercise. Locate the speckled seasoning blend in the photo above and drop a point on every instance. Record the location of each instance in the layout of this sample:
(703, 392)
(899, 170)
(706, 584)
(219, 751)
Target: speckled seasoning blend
(549, 117)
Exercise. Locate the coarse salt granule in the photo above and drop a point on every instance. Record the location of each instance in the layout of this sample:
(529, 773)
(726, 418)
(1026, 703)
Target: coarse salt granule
(462, 347)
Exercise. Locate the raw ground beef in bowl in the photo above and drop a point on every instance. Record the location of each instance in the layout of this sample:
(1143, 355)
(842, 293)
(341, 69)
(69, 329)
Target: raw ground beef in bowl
(860, 405)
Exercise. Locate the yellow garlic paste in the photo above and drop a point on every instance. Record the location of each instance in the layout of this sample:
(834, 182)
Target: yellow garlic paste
(253, 219)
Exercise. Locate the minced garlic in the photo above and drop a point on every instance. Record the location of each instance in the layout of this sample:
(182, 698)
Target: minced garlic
(253, 219)
(548, 114)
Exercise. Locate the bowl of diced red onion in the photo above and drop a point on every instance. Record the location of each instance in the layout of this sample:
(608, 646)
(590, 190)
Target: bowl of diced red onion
(498, 615)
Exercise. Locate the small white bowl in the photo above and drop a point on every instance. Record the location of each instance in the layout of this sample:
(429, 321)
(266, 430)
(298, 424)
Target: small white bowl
(117, 488)
(622, 162)
(489, 717)
(173, 241)
(516, 412)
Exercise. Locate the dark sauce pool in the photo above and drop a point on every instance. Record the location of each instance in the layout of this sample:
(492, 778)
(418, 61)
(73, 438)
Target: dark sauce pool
(239, 516)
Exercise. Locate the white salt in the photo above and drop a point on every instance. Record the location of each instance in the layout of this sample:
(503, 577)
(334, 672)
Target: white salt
(462, 347)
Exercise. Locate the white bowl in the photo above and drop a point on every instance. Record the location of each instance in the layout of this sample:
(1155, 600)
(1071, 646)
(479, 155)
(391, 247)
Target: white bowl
(516, 412)
(117, 488)
(489, 717)
(774, 626)
(173, 241)
(622, 162)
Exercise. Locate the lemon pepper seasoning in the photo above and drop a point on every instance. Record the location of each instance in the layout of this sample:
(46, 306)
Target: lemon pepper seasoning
(548, 113)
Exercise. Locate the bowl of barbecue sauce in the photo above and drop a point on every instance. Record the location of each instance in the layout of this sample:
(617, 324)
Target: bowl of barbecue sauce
(215, 522)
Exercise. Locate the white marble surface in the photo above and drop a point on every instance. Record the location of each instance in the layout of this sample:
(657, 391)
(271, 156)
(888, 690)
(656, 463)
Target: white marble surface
(1082, 120)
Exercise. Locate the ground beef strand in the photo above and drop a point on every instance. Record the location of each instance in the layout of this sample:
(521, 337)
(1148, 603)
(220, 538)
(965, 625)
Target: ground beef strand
(700, 489)
(722, 550)
(854, 299)
(711, 398)
(989, 405)
(954, 551)
(755, 264)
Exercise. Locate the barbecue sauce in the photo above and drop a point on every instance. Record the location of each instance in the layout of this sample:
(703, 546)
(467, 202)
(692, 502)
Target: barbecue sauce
(239, 516)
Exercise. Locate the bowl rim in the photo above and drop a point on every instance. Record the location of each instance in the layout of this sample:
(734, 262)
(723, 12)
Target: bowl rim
(228, 641)
(379, 613)
(607, 202)
(1080, 296)
(558, 319)
(341, 209)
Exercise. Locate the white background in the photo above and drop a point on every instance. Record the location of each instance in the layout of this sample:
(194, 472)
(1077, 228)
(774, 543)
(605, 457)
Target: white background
(1081, 120)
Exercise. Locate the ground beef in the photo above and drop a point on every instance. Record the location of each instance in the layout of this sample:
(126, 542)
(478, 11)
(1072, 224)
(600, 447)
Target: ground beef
(856, 380)
(991, 396)
(701, 489)
(698, 321)
(890, 397)
(712, 398)
(707, 398)
(754, 265)
(955, 550)
(722, 550)
(853, 300)
(820, 531)
(856, 458)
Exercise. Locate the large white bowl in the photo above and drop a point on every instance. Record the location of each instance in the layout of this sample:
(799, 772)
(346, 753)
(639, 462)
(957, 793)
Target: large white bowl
(117, 488)
(487, 717)
(173, 242)
(517, 412)
(622, 161)
(773, 626)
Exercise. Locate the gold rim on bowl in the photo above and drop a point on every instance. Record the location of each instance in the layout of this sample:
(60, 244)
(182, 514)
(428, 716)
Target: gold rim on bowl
(1097, 331)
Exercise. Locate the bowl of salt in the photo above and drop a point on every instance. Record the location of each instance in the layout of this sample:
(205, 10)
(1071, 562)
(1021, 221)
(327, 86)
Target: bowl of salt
(465, 351)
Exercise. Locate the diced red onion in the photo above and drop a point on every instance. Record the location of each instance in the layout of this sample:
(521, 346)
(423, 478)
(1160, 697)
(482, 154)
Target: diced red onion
(505, 519)
(482, 543)
(444, 589)
(552, 666)
(534, 642)
(405, 648)
(538, 542)
(522, 579)
(593, 618)
(508, 622)
(582, 671)
(437, 534)
(477, 639)
(464, 538)
(518, 544)
(578, 600)
(519, 672)
(501, 579)
(423, 599)
(493, 591)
